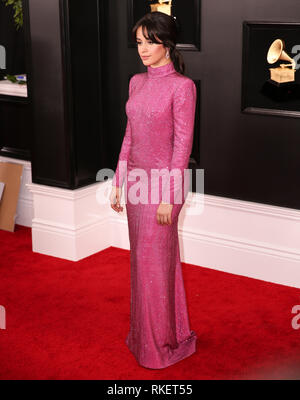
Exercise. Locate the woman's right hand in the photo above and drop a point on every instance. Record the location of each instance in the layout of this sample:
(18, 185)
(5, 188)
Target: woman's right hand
(115, 199)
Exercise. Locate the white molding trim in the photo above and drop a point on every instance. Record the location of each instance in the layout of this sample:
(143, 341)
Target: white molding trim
(13, 89)
(245, 238)
(69, 224)
(253, 240)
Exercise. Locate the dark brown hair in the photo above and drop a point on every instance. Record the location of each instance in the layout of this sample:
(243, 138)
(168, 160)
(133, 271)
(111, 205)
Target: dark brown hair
(165, 28)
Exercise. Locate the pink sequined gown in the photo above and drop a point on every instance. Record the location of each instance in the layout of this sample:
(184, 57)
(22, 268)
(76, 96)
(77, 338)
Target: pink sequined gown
(159, 134)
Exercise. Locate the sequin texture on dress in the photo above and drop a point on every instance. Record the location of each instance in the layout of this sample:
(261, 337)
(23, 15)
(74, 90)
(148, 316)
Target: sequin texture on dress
(159, 135)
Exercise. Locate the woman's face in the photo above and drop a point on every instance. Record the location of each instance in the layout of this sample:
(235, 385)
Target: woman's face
(153, 54)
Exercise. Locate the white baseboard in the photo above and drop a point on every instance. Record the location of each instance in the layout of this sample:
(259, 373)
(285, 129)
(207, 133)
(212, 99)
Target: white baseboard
(244, 238)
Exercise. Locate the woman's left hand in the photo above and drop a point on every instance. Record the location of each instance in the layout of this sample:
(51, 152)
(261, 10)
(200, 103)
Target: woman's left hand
(163, 214)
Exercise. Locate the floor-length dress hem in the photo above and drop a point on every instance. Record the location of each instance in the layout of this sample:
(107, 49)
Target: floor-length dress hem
(185, 349)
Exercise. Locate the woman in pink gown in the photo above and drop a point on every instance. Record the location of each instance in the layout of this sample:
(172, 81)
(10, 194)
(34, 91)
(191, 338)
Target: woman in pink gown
(159, 135)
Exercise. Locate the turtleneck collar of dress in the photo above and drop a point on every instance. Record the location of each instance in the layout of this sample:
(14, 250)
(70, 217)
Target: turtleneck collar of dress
(159, 72)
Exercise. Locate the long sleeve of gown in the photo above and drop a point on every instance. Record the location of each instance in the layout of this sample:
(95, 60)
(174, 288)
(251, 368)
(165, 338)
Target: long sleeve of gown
(184, 105)
(121, 169)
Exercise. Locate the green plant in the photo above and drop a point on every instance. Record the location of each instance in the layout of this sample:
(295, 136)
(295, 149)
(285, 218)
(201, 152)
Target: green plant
(18, 15)
(13, 79)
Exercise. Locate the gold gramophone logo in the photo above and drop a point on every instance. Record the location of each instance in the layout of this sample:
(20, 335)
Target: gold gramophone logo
(285, 72)
(162, 6)
(281, 85)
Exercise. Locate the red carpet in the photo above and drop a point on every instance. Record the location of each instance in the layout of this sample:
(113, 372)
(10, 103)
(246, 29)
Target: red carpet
(69, 320)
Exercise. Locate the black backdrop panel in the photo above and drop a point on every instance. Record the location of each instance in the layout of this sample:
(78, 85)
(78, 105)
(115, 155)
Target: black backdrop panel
(66, 82)
(15, 111)
(82, 50)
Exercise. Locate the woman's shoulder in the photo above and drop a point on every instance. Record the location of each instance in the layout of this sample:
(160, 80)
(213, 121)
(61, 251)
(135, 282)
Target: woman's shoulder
(183, 87)
(183, 81)
(135, 80)
(138, 76)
